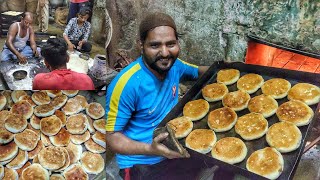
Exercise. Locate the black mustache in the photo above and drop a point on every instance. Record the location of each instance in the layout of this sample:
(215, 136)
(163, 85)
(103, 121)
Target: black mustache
(161, 57)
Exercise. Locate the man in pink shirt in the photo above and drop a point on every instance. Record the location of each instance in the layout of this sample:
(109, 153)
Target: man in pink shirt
(75, 6)
(60, 78)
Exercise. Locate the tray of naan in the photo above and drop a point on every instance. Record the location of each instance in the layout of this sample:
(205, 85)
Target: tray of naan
(51, 134)
(249, 119)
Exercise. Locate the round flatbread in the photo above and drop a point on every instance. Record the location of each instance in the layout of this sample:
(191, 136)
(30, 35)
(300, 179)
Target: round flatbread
(95, 110)
(75, 171)
(22, 108)
(77, 124)
(305, 92)
(8, 151)
(100, 139)
(59, 101)
(27, 140)
(72, 107)
(277, 88)
(40, 98)
(237, 100)
(251, 126)
(56, 177)
(67, 160)
(263, 104)
(19, 171)
(196, 109)
(15, 123)
(201, 140)
(90, 125)
(181, 126)
(74, 152)
(228, 76)
(82, 100)
(15, 95)
(10, 174)
(250, 83)
(19, 160)
(50, 126)
(3, 101)
(37, 131)
(80, 138)
(35, 122)
(100, 125)
(52, 158)
(35, 172)
(5, 135)
(284, 136)
(222, 119)
(7, 94)
(214, 92)
(230, 150)
(296, 112)
(62, 116)
(54, 93)
(45, 140)
(267, 162)
(32, 154)
(70, 93)
(28, 99)
(61, 139)
(94, 147)
(44, 110)
(92, 163)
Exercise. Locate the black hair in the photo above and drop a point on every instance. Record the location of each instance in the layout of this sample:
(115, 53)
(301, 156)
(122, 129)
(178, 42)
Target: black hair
(84, 11)
(55, 52)
(24, 14)
(143, 35)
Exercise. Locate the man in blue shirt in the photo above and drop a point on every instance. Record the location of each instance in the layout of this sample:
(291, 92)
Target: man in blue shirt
(143, 93)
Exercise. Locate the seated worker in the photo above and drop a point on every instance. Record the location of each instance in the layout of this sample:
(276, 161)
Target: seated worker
(56, 57)
(142, 94)
(16, 46)
(77, 32)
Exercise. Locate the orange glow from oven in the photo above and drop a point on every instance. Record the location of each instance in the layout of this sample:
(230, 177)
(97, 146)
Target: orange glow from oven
(265, 55)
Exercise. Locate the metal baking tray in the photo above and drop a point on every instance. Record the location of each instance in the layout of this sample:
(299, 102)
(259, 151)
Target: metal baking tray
(291, 160)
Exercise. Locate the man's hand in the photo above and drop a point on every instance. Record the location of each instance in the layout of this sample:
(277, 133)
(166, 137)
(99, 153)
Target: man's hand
(80, 44)
(71, 47)
(159, 149)
(35, 52)
(22, 59)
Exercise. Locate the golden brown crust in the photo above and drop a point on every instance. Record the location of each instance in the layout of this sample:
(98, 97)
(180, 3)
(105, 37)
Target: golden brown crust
(35, 122)
(81, 138)
(72, 107)
(305, 92)
(70, 93)
(77, 124)
(50, 125)
(5, 135)
(19, 160)
(228, 76)
(284, 136)
(15, 123)
(75, 172)
(26, 140)
(61, 139)
(54, 93)
(22, 108)
(95, 110)
(32, 154)
(19, 171)
(201, 140)
(82, 100)
(94, 147)
(59, 101)
(7, 94)
(40, 97)
(74, 152)
(10, 174)
(52, 158)
(250, 83)
(277, 88)
(229, 149)
(237, 100)
(181, 126)
(8, 151)
(3, 101)
(28, 99)
(214, 92)
(16, 94)
(263, 104)
(45, 140)
(35, 171)
(295, 112)
(251, 126)
(196, 109)
(67, 159)
(267, 162)
(92, 163)
(62, 116)
(44, 110)
(100, 125)
(222, 119)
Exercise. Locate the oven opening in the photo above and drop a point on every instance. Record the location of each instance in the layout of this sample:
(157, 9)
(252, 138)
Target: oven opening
(263, 53)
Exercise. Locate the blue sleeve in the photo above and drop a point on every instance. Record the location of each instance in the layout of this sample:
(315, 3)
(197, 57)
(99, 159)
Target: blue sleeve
(120, 104)
(68, 28)
(187, 70)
